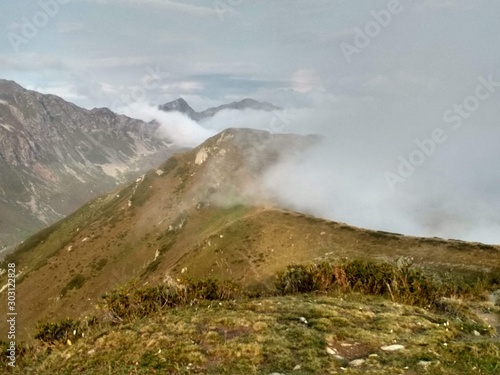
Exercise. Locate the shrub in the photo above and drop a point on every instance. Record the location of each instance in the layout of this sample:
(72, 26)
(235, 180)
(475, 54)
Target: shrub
(51, 333)
(402, 283)
(125, 304)
(297, 278)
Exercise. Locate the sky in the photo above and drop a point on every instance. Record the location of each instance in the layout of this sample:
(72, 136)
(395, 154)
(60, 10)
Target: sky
(406, 93)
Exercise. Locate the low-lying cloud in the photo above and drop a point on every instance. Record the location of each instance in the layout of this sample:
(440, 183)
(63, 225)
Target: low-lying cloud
(174, 126)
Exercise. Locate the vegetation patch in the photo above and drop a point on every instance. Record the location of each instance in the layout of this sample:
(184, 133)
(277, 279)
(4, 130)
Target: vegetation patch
(126, 304)
(75, 283)
(403, 283)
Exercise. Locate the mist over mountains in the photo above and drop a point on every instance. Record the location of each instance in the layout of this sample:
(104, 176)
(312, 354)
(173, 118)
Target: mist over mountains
(55, 156)
(345, 170)
(452, 195)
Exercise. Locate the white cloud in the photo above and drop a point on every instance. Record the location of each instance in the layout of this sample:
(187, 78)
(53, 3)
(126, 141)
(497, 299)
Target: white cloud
(305, 80)
(174, 126)
(176, 6)
(70, 27)
(183, 87)
(64, 91)
(452, 5)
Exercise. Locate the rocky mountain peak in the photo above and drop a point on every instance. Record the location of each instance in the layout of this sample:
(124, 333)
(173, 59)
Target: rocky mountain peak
(180, 105)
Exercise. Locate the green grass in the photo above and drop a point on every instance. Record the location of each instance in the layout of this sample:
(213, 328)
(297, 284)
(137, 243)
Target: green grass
(211, 327)
(261, 336)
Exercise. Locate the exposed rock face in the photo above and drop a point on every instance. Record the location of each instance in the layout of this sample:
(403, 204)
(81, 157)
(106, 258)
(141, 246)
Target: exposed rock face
(180, 105)
(54, 156)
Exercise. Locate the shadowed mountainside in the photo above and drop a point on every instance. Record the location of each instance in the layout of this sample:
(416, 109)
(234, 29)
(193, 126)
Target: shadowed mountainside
(55, 156)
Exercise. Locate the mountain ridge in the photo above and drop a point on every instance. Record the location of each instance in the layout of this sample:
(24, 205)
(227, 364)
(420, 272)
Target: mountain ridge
(180, 105)
(54, 156)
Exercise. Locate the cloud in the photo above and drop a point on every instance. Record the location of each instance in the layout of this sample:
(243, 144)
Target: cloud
(453, 195)
(33, 62)
(64, 91)
(70, 27)
(176, 6)
(451, 5)
(174, 126)
(183, 87)
(305, 80)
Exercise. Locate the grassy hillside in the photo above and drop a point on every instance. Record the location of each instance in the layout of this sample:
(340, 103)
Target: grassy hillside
(319, 333)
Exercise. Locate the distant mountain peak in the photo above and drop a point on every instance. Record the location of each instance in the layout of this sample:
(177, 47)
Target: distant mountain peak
(180, 105)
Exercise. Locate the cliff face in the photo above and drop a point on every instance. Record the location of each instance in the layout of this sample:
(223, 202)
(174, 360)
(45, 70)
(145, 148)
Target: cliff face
(54, 156)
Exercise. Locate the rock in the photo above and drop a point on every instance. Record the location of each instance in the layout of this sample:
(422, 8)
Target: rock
(357, 362)
(424, 363)
(392, 348)
(331, 351)
(476, 333)
(296, 368)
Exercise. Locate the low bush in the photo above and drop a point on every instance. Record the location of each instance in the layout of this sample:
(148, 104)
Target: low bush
(126, 304)
(403, 283)
(62, 331)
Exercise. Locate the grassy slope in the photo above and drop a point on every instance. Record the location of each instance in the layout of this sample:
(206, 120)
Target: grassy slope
(262, 336)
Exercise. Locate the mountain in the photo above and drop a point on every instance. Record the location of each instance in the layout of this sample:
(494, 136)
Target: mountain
(55, 156)
(203, 213)
(180, 105)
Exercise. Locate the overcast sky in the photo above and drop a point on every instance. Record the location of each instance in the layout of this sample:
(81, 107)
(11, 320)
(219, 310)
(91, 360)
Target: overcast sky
(211, 51)
(375, 76)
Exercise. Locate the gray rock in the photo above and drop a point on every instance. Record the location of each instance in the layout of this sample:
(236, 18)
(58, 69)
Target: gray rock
(357, 362)
(392, 348)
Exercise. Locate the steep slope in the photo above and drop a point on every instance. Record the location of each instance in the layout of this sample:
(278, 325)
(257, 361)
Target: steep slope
(54, 156)
(199, 214)
(180, 105)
